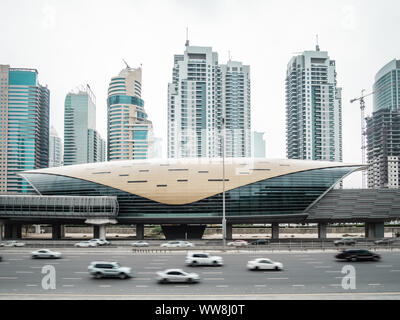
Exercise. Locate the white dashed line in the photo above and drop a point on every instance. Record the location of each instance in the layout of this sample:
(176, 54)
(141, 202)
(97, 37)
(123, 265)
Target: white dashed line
(384, 266)
(210, 272)
(15, 259)
(322, 267)
(374, 284)
(36, 267)
(297, 285)
(81, 272)
(141, 286)
(30, 272)
(260, 285)
(143, 279)
(335, 285)
(68, 285)
(182, 286)
(222, 286)
(105, 286)
(72, 278)
(8, 278)
(277, 278)
(151, 267)
(31, 285)
(214, 279)
(394, 270)
(330, 271)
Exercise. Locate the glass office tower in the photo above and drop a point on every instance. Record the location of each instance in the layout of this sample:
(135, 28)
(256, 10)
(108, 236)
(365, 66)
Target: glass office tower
(24, 127)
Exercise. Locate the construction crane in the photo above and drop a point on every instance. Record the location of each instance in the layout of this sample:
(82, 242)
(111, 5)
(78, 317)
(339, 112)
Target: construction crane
(363, 131)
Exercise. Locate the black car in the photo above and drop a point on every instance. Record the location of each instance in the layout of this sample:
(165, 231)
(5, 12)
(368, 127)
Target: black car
(260, 241)
(357, 255)
(1, 258)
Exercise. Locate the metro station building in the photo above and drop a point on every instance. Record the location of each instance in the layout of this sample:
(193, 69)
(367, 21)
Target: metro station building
(184, 195)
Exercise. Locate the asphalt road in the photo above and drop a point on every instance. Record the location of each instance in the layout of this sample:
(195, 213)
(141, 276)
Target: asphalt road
(306, 275)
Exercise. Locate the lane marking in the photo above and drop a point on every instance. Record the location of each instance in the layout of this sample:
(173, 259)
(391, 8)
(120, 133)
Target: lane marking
(277, 278)
(68, 285)
(31, 285)
(36, 267)
(298, 285)
(260, 285)
(394, 270)
(81, 272)
(181, 286)
(15, 259)
(384, 266)
(144, 279)
(141, 286)
(216, 279)
(322, 267)
(211, 272)
(330, 271)
(335, 285)
(154, 268)
(105, 286)
(374, 284)
(222, 286)
(30, 272)
(145, 272)
(8, 278)
(72, 278)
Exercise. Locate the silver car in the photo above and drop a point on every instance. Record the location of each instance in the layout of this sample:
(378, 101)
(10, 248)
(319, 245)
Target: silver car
(86, 244)
(102, 269)
(177, 275)
(175, 244)
(13, 243)
(45, 253)
(140, 243)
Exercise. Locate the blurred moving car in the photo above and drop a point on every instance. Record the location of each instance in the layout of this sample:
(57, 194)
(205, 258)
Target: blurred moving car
(177, 275)
(357, 255)
(100, 242)
(45, 253)
(103, 269)
(385, 241)
(203, 259)
(86, 244)
(264, 264)
(260, 242)
(172, 244)
(1, 258)
(345, 241)
(140, 243)
(13, 243)
(238, 243)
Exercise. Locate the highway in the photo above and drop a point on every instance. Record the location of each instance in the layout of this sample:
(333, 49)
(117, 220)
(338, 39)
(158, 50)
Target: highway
(306, 275)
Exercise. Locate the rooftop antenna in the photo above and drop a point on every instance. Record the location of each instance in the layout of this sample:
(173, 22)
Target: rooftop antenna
(187, 37)
(317, 46)
(126, 64)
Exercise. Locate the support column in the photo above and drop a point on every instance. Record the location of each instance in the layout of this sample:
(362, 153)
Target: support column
(374, 229)
(139, 231)
(275, 230)
(16, 231)
(96, 232)
(102, 232)
(37, 228)
(228, 231)
(58, 231)
(8, 231)
(322, 230)
(1, 231)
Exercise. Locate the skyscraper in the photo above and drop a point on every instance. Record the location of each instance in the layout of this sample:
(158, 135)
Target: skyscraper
(313, 108)
(55, 149)
(203, 93)
(383, 129)
(80, 135)
(24, 126)
(130, 133)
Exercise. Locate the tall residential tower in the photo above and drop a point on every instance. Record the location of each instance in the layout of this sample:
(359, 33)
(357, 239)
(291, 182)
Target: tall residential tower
(203, 93)
(130, 133)
(313, 108)
(24, 127)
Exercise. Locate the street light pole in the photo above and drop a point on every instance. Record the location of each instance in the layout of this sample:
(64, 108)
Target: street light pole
(223, 185)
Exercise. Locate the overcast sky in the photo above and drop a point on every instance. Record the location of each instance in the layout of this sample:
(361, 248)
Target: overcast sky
(76, 42)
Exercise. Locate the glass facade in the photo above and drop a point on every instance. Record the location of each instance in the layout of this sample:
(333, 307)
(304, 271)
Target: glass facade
(284, 195)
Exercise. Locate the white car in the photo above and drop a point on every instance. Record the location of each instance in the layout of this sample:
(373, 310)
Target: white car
(175, 244)
(203, 258)
(86, 244)
(45, 253)
(238, 243)
(103, 269)
(177, 275)
(100, 242)
(264, 264)
(13, 243)
(140, 243)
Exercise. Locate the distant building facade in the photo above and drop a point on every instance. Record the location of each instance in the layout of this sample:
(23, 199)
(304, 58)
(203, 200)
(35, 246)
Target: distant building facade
(55, 149)
(130, 133)
(313, 108)
(258, 145)
(24, 127)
